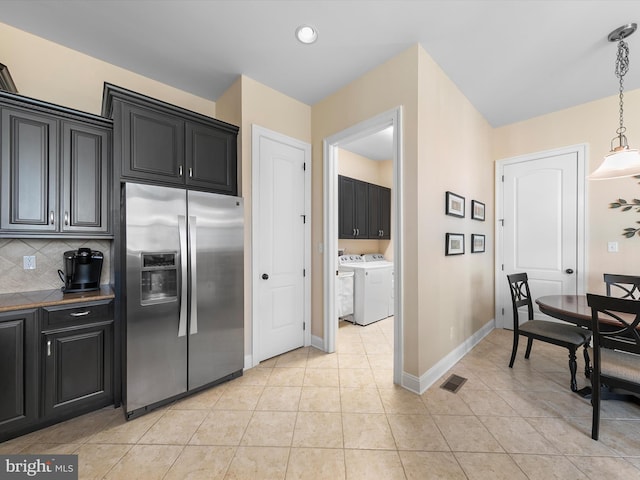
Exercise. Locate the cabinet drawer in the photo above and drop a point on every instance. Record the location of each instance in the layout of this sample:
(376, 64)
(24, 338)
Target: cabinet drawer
(76, 314)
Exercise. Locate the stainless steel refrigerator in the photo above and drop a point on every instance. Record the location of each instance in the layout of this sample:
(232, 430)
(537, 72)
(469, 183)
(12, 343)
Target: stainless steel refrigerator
(184, 292)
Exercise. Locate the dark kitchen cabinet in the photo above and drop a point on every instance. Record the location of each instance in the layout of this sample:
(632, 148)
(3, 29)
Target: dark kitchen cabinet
(379, 212)
(55, 166)
(159, 143)
(77, 367)
(18, 371)
(352, 208)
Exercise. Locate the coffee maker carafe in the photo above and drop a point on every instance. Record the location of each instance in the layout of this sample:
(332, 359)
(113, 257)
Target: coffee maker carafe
(82, 269)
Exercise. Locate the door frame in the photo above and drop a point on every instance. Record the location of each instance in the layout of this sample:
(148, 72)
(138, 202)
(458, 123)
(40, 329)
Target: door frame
(258, 132)
(581, 150)
(330, 147)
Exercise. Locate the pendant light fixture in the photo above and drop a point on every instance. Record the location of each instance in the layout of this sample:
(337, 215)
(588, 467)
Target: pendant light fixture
(621, 161)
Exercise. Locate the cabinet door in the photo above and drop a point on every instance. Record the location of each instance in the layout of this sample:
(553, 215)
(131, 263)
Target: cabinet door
(211, 158)
(374, 212)
(29, 171)
(346, 207)
(353, 208)
(18, 371)
(78, 369)
(385, 212)
(152, 145)
(84, 182)
(361, 209)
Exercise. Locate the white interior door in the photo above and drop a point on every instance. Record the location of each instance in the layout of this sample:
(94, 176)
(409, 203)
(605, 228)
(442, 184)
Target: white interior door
(281, 218)
(541, 228)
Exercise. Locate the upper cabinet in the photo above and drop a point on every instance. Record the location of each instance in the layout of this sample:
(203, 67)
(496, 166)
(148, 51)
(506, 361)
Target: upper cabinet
(364, 210)
(159, 143)
(55, 167)
(353, 208)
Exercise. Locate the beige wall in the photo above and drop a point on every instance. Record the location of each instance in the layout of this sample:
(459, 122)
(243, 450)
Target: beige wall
(593, 124)
(378, 172)
(446, 146)
(248, 103)
(454, 294)
(47, 71)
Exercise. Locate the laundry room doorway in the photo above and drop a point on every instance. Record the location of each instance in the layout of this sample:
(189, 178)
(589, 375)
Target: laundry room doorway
(333, 147)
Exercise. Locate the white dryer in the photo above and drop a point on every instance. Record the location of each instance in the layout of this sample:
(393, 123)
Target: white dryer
(379, 258)
(372, 283)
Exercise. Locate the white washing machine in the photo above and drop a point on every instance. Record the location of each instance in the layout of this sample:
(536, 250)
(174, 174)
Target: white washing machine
(378, 257)
(372, 283)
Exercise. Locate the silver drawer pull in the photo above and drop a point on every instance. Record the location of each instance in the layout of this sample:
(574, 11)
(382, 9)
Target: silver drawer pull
(80, 314)
(48, 348)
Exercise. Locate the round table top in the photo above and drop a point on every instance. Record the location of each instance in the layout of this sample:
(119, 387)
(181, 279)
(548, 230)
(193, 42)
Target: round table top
(566, 305)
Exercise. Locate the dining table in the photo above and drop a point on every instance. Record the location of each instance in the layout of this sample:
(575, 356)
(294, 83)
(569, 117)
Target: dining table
(575, 309)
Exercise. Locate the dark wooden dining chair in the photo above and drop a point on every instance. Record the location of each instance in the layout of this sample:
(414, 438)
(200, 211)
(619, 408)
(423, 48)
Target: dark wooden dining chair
(565, 335)
(616, 349)
(622, 286)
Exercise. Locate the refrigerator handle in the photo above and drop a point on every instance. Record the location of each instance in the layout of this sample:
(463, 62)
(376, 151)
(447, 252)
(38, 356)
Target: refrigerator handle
(193, 325)
(182, 228)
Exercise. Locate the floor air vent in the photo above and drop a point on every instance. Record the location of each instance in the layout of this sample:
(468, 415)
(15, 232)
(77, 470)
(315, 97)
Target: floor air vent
(453, 383)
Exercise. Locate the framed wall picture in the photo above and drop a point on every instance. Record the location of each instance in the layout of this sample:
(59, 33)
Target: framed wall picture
(477, 210)
(477, 243)
(454, 244)
(455, 205)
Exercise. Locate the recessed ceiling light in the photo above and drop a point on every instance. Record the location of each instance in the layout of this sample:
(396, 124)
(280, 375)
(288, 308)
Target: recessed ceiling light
(306, 34)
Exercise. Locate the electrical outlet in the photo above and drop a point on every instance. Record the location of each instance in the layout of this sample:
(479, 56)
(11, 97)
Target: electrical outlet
(612, 247)
(29, 262)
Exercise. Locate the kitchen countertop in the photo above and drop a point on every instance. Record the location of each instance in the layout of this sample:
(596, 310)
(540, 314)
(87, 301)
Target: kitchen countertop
(46, 298)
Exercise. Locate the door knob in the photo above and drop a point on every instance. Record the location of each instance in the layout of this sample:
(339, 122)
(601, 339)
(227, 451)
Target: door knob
(569, 271)
(265, 276)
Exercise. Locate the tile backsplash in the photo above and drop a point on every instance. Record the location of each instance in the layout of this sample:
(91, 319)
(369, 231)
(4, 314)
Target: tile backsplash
(48, 253)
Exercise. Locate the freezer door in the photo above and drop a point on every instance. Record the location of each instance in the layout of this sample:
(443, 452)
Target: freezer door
(216, 338)
(155, 294)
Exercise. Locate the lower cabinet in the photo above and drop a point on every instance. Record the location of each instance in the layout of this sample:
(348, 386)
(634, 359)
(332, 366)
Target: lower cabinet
(18, 371)
(55, 363)
(78, 369)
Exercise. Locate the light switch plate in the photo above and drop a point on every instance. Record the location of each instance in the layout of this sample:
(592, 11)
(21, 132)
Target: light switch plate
(612, 247)
(29, 262)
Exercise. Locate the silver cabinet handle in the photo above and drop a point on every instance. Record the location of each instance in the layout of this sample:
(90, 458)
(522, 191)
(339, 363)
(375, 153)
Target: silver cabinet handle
(193, 324)
(182, 229)
(357, 231)
(354, 232)
(80, 314)
(51, 217)
(48, 348)
(190, 172)
(180, 170)
(66, 218)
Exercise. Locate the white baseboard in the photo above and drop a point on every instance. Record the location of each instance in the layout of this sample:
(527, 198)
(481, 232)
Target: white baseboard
(317, 342)
(420, 385)
(248, 362)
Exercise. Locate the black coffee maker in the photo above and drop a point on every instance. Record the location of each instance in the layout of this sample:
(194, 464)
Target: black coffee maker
(82, 269)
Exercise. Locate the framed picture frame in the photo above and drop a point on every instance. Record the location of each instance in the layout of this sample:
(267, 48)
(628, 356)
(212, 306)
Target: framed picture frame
(477, 243)
(454, 244)
(454, 205)
(477, 210)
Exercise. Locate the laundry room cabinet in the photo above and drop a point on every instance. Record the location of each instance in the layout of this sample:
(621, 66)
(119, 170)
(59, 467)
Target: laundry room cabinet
(379, 208)
(55, 166)
(364, 210)
(164, 144)
(352, 208)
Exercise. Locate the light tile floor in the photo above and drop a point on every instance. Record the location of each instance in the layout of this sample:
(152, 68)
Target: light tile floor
(311, 415)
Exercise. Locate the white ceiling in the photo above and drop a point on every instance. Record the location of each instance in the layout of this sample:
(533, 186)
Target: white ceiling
(513, 59)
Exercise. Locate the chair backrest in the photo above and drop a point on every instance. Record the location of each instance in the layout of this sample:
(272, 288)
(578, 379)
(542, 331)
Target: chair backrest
(614, 323)
(624, 286)
(520, 296)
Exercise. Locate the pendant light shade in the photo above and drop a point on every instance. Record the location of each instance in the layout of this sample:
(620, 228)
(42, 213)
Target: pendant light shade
(621, 161)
